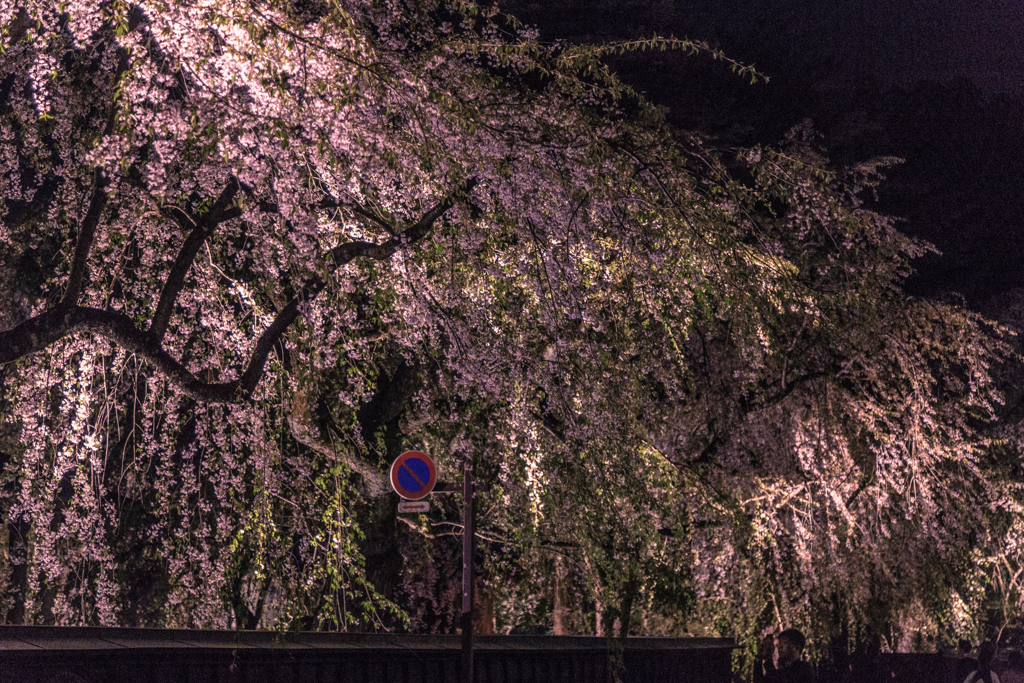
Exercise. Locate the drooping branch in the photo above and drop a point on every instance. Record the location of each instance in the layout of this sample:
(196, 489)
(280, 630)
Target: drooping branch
(302, 425)
(201, 229)
(38, 332)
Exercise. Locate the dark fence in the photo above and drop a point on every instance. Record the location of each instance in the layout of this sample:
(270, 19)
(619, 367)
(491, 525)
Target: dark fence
(922, 668)
(115, 655)
(930, 668)
(900, 667)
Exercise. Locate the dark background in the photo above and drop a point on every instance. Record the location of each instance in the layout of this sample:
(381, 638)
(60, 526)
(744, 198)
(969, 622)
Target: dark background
(937, 83)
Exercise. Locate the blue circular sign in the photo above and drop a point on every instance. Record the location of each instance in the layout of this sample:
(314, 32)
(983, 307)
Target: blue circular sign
(413, 475)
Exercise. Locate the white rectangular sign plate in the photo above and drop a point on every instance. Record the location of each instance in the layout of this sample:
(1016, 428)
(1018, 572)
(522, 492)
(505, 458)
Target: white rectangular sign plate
(413, 506)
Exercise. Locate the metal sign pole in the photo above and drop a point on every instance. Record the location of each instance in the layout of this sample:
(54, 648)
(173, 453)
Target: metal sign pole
(414, 476)
(467, 575)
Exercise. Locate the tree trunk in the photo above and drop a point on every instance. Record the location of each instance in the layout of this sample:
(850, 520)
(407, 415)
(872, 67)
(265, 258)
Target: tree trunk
(629, 592)
(559, 618)
(483, 608)
(17, 554)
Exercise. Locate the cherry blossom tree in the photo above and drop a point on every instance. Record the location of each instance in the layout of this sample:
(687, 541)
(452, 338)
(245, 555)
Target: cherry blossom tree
(252, 251)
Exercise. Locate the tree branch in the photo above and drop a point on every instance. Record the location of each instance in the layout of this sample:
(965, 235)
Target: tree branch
(340, 255)
(372, 217)
(76, 281)
(187, 254)
(36, 333)
(40, 331)
(303, 429)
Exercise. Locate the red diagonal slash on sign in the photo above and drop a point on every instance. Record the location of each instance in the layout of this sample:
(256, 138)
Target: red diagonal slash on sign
(413, 475)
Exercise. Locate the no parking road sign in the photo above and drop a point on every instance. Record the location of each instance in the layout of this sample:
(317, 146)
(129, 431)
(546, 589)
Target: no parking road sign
(413, 475)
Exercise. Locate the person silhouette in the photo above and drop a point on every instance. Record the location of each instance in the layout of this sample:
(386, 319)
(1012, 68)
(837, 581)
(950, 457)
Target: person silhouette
(965, 663)
(984, 673)
(866, 664)
(790, 668)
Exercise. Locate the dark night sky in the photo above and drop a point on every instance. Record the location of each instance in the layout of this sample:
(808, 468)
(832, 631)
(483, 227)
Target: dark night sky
(899, 41)
(937, 82)
(982, 40)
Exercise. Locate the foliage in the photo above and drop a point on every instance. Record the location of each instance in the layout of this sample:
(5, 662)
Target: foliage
(253, 252)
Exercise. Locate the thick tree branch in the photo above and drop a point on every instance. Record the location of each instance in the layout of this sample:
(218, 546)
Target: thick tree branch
(340, 255)
(86, 234)
(36, 333)
(303, 428)
(201, 229)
